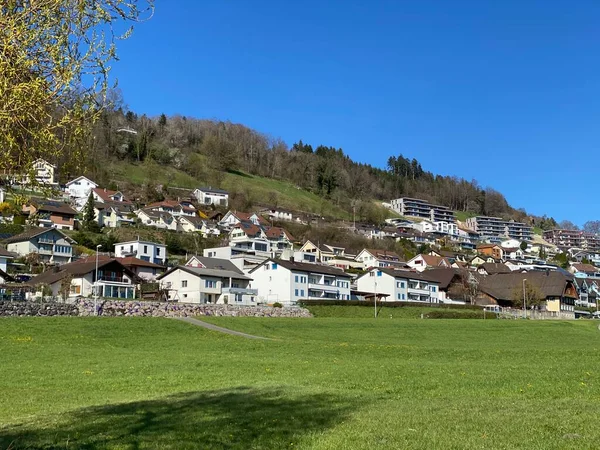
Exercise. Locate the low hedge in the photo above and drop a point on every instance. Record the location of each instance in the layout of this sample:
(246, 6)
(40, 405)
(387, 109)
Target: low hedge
(369, 303)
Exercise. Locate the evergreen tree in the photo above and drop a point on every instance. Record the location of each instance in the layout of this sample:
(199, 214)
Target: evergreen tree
(89, 215)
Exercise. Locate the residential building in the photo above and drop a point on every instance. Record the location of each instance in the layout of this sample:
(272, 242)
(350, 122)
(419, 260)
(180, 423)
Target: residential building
(288, 282)
(379, 258)
(144, 250)
(114, 214)
(114, 279)
(423, 262)
(243, 259)
(493, 268)
(52, 245)
(278, 214)
(413, 207)
(573, 239)
(456, 286)
(557, 290)
(493, 250)
(157, 219)
(45, 173)
(325, 252)
(211, 196)
(400, 285)
(588, 290)
(493, 227)
(583, 270)
(210, 281)
(104, 195)
(79, 190)
(232, 218)
(145, 270)
(173, 207)
(50, 213)
(5, 256)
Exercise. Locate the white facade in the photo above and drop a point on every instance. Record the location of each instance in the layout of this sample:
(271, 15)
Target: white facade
(44, 172)
(400, 286)
(209, 196)
(377, 259)
(288, 282)
(79, 189)
(198, 285)
(144, 250)
(51, 245)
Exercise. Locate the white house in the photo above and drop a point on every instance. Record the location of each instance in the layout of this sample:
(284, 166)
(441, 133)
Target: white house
(114, 279)
(400, 285)
(144, 250)
(79, 190)
(278, 214)
(104, 195)
(232, 218)
(211, 280)
(422, 262)
(210, 196)
(159, 219)
(287, 282)
(173, 207)
(243, 259)
(44, 172)
(145, 270)
(52, 245)
(378, 258)
(114, 214)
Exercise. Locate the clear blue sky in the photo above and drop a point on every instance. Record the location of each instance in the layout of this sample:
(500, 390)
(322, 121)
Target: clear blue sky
(504, 92)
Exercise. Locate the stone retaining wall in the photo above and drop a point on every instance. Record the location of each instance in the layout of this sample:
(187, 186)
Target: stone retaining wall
(37, 309)
(162, 309)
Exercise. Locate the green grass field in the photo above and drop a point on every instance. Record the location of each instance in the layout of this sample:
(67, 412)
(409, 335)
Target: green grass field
(323, 383)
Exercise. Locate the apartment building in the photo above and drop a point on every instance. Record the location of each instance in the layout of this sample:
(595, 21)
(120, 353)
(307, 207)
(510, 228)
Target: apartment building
(414, 207)
(490, 227)
(567, 239)
(400, 285)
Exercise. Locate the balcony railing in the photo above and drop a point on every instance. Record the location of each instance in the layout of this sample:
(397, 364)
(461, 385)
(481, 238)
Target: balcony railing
(112, 279)
(242, 291)
(46, 241)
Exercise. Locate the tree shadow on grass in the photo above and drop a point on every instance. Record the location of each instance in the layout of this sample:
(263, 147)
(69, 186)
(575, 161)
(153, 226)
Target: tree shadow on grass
(239, 173)
(241, 418)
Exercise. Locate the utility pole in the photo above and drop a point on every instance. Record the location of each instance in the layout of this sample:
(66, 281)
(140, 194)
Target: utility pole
(524, 299)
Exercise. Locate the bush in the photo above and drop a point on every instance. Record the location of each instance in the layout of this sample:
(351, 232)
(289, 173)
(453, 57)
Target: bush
(277, 305)
(454, 315)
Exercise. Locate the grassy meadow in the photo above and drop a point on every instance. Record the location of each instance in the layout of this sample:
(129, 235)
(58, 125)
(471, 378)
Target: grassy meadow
(322, 383)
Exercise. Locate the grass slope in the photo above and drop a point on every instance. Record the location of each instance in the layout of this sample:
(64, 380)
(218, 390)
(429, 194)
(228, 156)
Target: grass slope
(259, 189)
(329, 383)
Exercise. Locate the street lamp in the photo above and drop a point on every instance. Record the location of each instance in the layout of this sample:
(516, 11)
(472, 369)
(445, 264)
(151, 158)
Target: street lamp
(524, 299)
(96, 282)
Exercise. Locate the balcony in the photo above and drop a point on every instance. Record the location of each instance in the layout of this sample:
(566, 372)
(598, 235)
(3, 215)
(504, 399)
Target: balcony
(323, 287)
(46, 241)
(115, 279)
(238, 290)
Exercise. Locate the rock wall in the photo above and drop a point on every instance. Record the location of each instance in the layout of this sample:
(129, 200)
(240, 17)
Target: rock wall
(162, 309)
(37, 309)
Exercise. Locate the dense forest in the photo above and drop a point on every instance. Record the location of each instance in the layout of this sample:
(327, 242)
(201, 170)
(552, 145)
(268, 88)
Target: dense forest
(205, 148)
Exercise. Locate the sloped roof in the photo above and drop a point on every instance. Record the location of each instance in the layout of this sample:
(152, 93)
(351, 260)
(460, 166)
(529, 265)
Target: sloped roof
(53, 206)
(201, 271)
(249, 228)
(492, 268)
(80, 178)
(407, 274)
(443, 276)
(216, 263)
(212, 190)
(307, 267)
(580, 267)
(383, 254)
(106, 194)
(33, 232)
(488, 246)
(276, 232)
(506, 286)
(435, 261)
(75, 269)
(131, 261)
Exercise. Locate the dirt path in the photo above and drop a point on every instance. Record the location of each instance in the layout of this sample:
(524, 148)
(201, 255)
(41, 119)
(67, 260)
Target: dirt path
(210, 326)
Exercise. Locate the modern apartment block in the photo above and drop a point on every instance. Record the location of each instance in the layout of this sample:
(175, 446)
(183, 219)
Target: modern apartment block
(414, 207)
(495, 226)
(566, 239)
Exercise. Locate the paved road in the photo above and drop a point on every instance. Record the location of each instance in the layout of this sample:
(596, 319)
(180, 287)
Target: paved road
(212, 327)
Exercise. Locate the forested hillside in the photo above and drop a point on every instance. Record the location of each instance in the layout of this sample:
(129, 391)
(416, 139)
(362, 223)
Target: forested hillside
(211, 151)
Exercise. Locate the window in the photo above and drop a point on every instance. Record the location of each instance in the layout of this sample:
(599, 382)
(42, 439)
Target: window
(371, 274)
(433, 288)
(403, 297)
(274, 266)
(145, 249)
(183, 283)
(157, 251)
(211, 284)
(296, 292)
(402, 284)
(399, 296)
(379, 273)
(302, 292)
(296, 278)
(252, 299)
